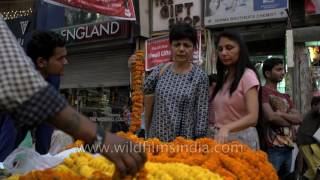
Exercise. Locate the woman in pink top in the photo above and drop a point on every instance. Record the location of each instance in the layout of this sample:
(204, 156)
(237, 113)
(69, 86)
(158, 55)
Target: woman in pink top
(234, 102)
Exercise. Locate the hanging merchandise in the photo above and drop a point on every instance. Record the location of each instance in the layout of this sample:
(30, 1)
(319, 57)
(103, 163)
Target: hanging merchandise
(210, 55)
(137, 94)
(290, 48)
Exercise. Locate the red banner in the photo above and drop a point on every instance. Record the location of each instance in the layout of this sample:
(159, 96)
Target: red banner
(119, 9)
(158, 50)
(312, 7)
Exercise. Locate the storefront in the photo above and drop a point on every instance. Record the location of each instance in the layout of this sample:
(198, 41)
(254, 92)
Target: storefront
(96, 79)
(314, 55)
(262, 25)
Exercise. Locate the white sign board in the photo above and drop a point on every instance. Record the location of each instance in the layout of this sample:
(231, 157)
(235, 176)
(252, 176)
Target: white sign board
(227, 12)
(167, 12)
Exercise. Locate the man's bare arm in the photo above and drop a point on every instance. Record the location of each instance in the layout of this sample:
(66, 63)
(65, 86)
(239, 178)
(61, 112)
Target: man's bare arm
(78, 126)
(75, 124)
(293, 116)
(274, 117)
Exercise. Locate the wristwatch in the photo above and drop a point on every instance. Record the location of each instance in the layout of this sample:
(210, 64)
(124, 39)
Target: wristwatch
(100, 136)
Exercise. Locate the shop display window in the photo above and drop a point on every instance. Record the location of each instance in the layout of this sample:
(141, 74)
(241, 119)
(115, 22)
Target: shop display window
(314, 54)
(103, 105)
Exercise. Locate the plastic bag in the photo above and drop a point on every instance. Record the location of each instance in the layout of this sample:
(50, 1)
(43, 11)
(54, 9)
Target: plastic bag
(23, 160)
(59, 141)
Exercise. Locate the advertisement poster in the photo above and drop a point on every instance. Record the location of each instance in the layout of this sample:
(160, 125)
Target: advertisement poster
(312, 7)
(119, 9)
(225, 12)
(158, 50)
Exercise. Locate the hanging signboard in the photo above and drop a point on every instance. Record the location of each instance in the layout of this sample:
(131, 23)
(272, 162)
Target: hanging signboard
(119, 9)
(22, 28)
(109, 30)
(168, 12)
(235, 12)
(158, 50)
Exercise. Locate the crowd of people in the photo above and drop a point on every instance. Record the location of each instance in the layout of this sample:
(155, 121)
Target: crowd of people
(230, 105)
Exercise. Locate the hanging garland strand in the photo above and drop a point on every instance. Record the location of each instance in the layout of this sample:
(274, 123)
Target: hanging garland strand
(137, 93)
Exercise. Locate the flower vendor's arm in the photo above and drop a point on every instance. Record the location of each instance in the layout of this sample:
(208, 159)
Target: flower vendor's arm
(292, 117)
(274, 117)
(201, 125)
(30, 101)
(80, 127)
(252, 106)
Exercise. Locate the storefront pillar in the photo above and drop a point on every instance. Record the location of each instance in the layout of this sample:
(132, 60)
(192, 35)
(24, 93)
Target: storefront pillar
(302, 90)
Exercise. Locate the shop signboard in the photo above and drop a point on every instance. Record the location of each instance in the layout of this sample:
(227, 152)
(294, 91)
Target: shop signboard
(109, 30)
(158, 50)
(22, 28)
(312, 7)
(235, 12)
(168, 12)
(120, 9)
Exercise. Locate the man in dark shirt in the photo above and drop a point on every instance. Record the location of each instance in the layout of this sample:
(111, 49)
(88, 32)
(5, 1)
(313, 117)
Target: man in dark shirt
(30, 101)
(48, 53)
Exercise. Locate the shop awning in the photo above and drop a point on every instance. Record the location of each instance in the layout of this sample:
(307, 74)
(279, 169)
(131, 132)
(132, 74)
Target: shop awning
(305, 34)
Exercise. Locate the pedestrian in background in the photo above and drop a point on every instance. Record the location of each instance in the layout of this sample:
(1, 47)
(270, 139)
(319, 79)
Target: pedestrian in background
(280, 117)
(234, 104)
(180, 90)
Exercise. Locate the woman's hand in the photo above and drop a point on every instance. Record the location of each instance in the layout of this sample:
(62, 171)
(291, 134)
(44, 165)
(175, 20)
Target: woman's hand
(222, 136)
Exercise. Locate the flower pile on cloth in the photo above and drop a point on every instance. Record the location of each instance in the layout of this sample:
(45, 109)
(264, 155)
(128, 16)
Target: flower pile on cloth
(137, 93)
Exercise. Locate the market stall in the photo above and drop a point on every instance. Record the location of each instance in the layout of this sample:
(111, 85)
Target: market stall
(180, 159)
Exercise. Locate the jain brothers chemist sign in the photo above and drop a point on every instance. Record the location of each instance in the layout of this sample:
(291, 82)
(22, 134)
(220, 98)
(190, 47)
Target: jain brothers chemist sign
(168, 12)
(233, 12)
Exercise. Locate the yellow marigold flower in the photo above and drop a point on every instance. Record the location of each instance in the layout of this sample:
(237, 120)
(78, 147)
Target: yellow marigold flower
(86, 171)
(178, 171)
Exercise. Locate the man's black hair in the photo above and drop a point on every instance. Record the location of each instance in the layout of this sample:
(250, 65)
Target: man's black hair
(268, 64)
(43, 44)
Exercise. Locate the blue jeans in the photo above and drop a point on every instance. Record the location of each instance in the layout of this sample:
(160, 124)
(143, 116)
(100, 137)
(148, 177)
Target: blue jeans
(281, 159)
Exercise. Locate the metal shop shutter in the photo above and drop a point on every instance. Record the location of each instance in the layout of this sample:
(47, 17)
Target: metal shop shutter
(97, 69)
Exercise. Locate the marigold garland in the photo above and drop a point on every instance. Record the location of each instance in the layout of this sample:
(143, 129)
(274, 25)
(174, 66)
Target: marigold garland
(78, 143)
(137, 93)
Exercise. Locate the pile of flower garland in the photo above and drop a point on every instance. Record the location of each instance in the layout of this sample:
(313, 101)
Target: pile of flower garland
(137, 93)
(83, 165)
(233, 161)
(193, 159)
